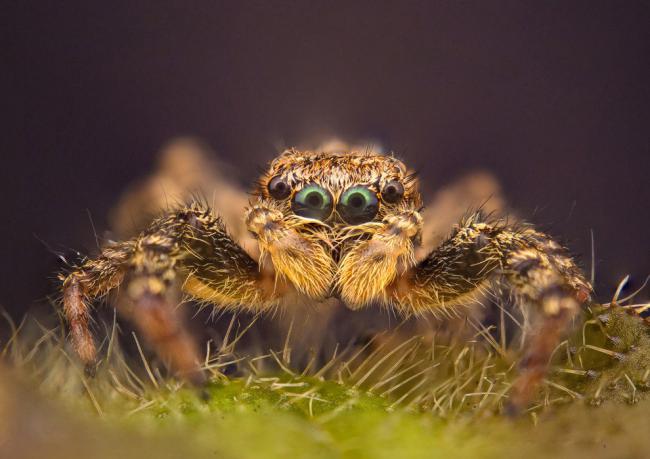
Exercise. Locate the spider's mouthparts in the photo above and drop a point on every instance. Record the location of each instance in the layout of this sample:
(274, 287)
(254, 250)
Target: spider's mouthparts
(353, 232)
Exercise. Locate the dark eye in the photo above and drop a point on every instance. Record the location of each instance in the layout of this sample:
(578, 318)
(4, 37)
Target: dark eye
(393, 191)
(312, 201)
(278, 188)
(358, 205)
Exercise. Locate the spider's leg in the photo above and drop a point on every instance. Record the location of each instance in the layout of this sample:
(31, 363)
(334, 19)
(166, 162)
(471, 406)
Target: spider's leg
(92, 279)
(540, 273)
(478, 255)
(537, 270)
(150, 287)
(189, 247)
(157, 319)
(450, 203)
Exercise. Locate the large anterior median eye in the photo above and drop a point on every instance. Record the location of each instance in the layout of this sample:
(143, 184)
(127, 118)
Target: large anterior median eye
(358, 205)
(312, 201)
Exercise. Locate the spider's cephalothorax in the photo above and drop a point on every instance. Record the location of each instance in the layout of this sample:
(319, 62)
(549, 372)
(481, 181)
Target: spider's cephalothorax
(313, 210)
(327, 225)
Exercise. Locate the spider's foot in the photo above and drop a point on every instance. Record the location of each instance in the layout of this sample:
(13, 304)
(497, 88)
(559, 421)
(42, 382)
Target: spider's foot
(163, 328)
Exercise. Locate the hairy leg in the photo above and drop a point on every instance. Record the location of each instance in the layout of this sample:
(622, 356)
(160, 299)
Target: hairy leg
(537, 270)
(162, 326)
(189, 247)
(185, 166)
(478, 255)
(153, 297)
(93, 278)
(448, 205)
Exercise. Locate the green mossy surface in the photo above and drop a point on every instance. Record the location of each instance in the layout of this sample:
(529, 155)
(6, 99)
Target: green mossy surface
(396, 401)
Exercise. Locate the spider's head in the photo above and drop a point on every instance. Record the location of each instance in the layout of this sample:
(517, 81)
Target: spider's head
(339, 189)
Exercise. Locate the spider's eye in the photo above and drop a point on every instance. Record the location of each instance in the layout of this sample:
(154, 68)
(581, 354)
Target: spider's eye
(278, 188)
(393, 191)
(358, 205)
(312, 201)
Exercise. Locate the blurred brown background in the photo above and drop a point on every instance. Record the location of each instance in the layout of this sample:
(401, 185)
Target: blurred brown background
(552, 97)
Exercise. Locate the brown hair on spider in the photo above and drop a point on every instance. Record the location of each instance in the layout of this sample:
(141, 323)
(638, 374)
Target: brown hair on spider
(327, 225)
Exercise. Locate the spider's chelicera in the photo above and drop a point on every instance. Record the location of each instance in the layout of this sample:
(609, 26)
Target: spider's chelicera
(327, 225)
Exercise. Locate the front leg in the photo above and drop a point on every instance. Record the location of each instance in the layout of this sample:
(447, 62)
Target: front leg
(534, 268)
(297, 248)
(187, 248)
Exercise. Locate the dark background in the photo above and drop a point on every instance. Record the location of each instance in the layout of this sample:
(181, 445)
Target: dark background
(550, 96)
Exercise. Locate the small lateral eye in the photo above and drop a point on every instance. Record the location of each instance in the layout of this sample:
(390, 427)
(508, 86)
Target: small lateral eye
(279, 188)
(392, 192)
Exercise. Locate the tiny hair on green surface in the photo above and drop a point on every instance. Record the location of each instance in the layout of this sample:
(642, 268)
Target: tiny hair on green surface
(389, 397)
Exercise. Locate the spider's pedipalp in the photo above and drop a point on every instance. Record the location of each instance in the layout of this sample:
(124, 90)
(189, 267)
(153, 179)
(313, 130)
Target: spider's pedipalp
(370, 265)
(298, 249)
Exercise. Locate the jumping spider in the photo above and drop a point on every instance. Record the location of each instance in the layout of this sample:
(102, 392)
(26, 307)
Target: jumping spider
(327, 225)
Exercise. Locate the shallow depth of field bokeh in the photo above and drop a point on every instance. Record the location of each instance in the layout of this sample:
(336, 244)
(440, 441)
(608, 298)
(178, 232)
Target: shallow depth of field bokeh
(538, 110)
(440, 395)
(323, 382)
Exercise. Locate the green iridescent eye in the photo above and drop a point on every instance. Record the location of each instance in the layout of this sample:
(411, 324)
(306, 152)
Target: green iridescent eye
(358, 205)
(312, 201)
